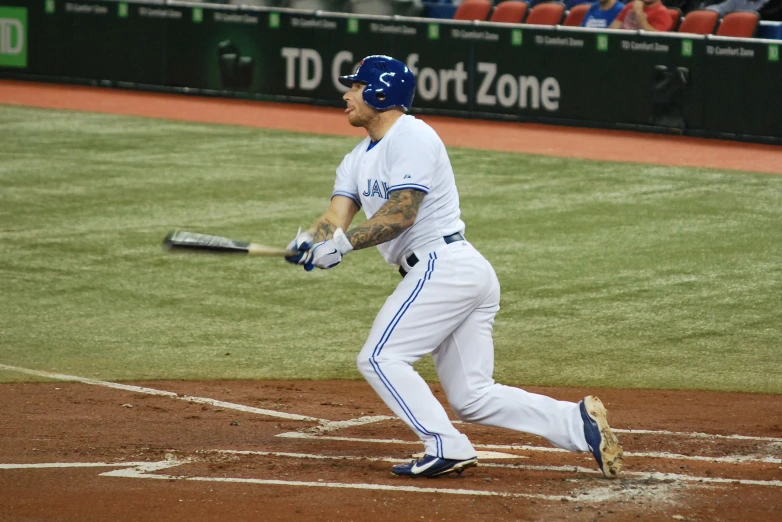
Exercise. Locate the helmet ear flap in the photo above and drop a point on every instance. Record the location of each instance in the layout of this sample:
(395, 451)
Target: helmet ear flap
(376, 97)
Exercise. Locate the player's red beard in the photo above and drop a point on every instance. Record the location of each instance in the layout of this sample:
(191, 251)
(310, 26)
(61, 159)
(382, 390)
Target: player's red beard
(360, 115)
(354, 118)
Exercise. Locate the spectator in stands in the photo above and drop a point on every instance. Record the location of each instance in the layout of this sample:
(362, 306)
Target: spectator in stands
(769, 10)
(649, 15)
(571, 3)
(602, 13)
(685, 6)
(729, 6)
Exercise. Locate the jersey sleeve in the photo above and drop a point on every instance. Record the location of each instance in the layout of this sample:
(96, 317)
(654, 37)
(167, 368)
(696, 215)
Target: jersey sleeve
(346, 184)
(623, 13)
(661, 20)
(412, 159)
(588, 16)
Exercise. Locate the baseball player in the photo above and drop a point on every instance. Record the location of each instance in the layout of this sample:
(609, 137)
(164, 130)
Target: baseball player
(449, 295)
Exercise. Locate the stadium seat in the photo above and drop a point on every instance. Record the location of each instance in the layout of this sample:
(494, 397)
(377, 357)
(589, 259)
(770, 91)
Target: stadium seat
(701, 21)
(550, 13)
(473, 10)
(510, 11)
(576, 15)
(676, 16)
(739, 24)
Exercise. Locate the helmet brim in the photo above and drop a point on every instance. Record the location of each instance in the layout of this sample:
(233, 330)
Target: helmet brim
(349, 80)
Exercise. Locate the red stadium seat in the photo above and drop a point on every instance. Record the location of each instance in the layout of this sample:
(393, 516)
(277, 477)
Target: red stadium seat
(473, 10)
(575, 17)
(550, 13)
(702, 21)
(676, 16)
(739, 24)
(511, 12)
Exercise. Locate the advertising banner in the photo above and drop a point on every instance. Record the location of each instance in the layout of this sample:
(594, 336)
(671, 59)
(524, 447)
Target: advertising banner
(13, 37)
(741, 86)
(680, 83)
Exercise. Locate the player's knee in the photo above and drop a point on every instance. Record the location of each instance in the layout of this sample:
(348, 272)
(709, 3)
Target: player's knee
(370, 365)
(364, 364)
(462, 413)
(467, 408)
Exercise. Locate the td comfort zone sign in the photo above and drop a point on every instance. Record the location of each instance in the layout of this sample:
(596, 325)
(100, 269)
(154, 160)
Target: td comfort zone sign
(13, 37)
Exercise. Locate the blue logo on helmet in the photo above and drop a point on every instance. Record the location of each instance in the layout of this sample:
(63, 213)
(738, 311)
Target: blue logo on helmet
(389, 83)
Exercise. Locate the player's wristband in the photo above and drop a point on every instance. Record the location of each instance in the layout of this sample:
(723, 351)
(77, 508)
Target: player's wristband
(342, 241)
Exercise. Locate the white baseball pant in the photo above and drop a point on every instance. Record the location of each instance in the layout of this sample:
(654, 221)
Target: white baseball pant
(446, 306)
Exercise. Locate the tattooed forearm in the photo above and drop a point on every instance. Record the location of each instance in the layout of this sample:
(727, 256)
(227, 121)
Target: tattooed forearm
(323, 229)
(393, 218)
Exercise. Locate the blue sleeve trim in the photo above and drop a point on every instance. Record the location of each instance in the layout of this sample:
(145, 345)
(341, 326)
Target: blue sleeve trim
(422, 188)
(347, 195)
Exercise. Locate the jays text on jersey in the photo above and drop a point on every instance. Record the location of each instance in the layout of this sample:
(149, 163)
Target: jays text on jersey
(410, 156)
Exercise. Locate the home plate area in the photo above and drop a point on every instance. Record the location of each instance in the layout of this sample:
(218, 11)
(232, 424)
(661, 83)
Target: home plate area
(366, 447)
(314, 448)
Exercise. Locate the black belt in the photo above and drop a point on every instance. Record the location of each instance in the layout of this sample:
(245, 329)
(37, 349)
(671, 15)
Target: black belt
(412, 259)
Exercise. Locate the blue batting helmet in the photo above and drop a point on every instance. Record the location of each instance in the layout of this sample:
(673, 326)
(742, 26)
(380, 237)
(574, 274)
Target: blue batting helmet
(389, 83)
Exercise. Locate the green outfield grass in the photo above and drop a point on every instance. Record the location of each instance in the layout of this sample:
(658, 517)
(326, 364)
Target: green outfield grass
(617, 275)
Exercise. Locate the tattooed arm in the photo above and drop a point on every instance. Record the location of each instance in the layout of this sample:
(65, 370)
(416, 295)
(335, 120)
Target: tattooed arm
(340, 214)
(397, 215)
(393, 218)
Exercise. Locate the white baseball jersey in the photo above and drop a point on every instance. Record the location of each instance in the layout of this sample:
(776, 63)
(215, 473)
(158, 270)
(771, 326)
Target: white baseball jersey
(410, 156)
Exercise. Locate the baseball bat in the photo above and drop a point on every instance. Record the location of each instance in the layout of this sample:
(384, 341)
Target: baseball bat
(183, 241)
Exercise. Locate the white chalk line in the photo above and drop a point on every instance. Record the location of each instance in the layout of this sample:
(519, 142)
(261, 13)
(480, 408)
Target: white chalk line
(526, 467)
(690, 434)
(45, 465)
(325, 425)
(696, 435)
(731, 459)
(641, 475)
(146, 470)
(132, 473)
(481, 455)
(172, 395)
(598, 494)
(339, 425)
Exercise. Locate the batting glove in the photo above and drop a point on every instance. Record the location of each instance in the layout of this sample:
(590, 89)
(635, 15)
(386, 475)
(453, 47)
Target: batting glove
(298, 249)
(328, 254)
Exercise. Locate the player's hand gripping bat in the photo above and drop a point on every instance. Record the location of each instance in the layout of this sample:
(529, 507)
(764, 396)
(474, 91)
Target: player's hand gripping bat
(182, 241)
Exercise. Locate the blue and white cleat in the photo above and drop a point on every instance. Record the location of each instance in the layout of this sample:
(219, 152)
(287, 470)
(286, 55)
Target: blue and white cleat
(429, 466)
(601, 440)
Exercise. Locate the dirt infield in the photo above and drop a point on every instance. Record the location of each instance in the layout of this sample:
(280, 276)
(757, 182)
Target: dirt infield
(152, 457)
(74, 449)
(514, 137)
